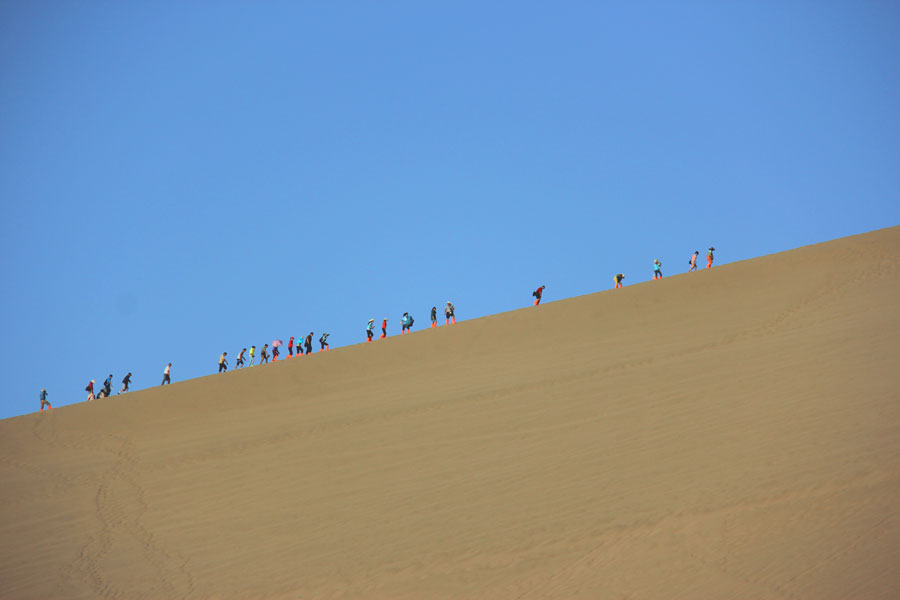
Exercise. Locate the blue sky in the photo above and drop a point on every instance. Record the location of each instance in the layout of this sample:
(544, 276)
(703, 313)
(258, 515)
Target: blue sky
(178, 179)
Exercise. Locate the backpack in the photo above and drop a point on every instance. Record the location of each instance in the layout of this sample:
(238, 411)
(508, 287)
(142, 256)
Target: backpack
(87, 388)
(411, 321)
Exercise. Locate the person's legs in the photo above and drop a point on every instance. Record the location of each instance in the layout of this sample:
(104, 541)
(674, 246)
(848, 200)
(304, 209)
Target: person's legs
(383, 332)
(290, 351)
(709, 262)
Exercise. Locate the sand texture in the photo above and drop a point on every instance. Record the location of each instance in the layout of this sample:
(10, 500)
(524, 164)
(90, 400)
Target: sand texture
(732, 433)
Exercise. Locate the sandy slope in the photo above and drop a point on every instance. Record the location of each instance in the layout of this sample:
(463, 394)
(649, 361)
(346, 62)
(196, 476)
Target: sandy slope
(733, 433)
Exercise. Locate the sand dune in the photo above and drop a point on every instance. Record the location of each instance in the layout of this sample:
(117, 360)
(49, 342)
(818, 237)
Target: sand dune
(732, 433)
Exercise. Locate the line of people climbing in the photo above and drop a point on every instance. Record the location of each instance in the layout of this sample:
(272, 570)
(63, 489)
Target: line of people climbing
(657, 269)
(302, 344)
(406, 323)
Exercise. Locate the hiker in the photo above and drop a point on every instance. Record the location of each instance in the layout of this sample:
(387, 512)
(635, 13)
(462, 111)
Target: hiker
(693, 261)
(537, 294)
(324, 342)
(709, 258)
(657, 269)
(223, 362)
(166, 378)
(44, 400)
(107, 387)
(263, 355)
(126, 381)
(291, 347)
(90, 390)
(433, 317)
(299, 347)
(450, 313)
(275, 353)
(308, 343)
(618, 279)
(239, 362)
(370, 326)
(406, 323)
(383, 329)
(252, 353)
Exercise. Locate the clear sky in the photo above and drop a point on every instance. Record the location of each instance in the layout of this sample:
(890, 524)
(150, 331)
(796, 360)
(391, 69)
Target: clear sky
(183, 178)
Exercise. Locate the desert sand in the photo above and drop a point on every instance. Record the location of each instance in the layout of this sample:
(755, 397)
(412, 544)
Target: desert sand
(730, 433)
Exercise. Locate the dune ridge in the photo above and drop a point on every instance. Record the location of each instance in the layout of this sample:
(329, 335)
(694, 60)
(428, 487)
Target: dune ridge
(726, 433)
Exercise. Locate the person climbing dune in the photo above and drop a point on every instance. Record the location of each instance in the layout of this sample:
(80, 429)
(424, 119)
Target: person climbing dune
(126, 382)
